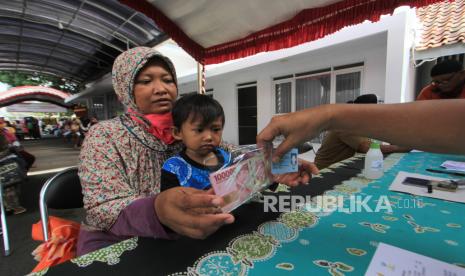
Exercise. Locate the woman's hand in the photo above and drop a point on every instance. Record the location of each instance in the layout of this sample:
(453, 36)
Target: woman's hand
(191, 212)
(303, 176)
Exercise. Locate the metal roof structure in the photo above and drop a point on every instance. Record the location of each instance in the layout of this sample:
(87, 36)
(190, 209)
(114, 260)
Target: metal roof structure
(73, 39)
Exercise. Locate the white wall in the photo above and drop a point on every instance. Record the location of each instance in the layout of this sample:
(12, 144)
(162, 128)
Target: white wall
(366, 43)
(370, 50)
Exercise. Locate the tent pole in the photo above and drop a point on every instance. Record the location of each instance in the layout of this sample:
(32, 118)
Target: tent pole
(200, 78)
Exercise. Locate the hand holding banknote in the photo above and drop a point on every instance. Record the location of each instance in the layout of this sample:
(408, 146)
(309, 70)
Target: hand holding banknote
(251, 174)
(190, 212)
(303, 176)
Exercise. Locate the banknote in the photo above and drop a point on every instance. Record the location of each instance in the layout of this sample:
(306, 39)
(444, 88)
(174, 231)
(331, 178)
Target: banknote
(240, 181)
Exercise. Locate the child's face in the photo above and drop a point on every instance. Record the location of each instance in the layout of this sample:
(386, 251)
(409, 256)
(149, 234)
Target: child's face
(198, 139)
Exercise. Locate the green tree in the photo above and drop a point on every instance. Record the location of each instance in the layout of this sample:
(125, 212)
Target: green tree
(19, 79)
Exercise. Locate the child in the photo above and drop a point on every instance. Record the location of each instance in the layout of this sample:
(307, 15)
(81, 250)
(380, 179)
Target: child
(198, 122)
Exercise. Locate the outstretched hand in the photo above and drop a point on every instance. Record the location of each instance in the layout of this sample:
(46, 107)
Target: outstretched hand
(297, 127)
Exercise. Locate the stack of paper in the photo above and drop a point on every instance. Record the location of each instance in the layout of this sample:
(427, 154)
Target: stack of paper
(390, 260)
(454, 165)
(398, 186)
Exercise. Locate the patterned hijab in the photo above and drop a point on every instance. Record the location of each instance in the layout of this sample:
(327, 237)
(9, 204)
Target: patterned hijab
(125, 69)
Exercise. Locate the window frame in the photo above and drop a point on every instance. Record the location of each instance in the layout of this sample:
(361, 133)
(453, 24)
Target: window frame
(273, 98)
(333, 75)
(310, 76)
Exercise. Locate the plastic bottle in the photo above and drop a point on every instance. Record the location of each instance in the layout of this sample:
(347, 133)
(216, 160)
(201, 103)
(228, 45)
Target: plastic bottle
(374, 168)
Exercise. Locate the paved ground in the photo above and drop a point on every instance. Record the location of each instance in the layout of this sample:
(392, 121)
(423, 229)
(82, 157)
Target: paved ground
(50, 154)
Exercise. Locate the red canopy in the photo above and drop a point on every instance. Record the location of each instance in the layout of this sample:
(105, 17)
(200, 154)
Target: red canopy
(214, 31)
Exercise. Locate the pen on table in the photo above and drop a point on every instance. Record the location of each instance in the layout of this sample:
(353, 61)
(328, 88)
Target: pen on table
(446, 172)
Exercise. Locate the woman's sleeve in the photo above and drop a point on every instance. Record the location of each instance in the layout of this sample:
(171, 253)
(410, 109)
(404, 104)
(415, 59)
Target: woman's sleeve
(140, 219)
(105, 183)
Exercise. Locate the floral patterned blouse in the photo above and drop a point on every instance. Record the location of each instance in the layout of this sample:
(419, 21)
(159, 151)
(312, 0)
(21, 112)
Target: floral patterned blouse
(120, 160)
(117, 168)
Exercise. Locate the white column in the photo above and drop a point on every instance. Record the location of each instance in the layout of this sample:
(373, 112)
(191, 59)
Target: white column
(399, 70)
(265, 93)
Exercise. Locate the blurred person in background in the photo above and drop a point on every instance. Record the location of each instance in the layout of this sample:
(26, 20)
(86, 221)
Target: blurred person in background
(15, 145)
(340, 145)
(12, 172)
(93, 121)
(448, 82)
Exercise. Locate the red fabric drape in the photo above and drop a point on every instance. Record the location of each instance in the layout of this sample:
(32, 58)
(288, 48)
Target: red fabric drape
(307, 25)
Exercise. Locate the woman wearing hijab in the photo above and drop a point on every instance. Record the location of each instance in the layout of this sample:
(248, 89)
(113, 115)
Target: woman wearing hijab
(121, 161)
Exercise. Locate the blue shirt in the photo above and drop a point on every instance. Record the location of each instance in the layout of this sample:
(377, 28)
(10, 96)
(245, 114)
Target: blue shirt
(181, 170)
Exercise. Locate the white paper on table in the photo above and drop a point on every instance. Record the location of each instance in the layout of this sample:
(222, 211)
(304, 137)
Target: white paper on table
(398, 186)
(390, 260)
(454, 165)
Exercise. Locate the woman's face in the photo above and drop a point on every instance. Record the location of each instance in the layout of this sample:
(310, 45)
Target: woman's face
(155, 89)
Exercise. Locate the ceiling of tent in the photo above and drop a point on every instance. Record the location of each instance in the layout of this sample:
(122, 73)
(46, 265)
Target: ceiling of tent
(230, 20)
(73, 39)
(214, 31)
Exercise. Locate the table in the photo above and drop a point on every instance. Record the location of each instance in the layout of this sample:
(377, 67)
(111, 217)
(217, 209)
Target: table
(302, 242)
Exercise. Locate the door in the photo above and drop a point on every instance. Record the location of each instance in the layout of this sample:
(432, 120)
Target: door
(247, 110)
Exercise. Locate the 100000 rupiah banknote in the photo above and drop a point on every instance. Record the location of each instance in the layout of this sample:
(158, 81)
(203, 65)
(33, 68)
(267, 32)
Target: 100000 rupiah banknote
(239, 182)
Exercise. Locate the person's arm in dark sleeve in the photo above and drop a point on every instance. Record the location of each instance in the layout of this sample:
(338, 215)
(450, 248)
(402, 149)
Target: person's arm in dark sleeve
(168, 180)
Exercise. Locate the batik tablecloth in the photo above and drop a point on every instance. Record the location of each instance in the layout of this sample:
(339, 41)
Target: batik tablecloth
(304, 241)
(343, 242)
